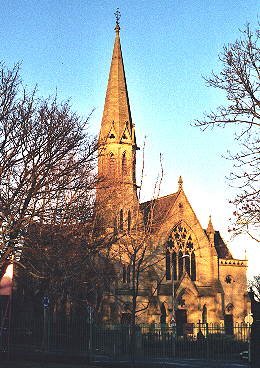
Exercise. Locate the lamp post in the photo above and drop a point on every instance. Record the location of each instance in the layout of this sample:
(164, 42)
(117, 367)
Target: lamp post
(173, 320)
(169, 247)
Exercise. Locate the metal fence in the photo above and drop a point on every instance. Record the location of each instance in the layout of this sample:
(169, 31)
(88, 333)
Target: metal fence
(76, 336)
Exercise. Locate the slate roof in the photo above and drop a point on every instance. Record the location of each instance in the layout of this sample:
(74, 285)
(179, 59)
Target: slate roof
(221, 247)
(157, 210)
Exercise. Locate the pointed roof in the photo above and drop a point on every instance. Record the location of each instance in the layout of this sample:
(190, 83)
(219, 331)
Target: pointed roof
(221, 247)
(117, 108)
(219, 244)
(210, 228)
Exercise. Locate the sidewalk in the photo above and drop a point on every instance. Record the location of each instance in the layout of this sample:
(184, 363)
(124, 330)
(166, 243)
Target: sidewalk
(186, 363)
(23, 364)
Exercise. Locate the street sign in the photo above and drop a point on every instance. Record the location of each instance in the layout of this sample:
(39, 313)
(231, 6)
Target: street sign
(45, 302)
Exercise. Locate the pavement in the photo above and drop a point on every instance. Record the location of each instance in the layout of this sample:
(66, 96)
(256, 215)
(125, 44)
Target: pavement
(188, 363)
(182, 363)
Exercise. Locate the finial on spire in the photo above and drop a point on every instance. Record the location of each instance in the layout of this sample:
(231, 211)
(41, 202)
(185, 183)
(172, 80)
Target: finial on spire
(180, 182)
(118, 16)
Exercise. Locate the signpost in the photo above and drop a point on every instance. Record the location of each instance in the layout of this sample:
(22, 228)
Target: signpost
(90, 322)
(45, 302)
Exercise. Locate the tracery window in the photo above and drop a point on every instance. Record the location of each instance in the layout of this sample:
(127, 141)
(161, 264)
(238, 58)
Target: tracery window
(228, 279)
(180, 246)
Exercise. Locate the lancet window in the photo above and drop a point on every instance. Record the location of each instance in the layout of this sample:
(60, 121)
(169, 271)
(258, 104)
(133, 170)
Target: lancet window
(128, 274)
(180, 255)
(121, 220)
(112, 165)
(115, 227)
(126, 271)
(124, 164)
(124, 274)
(129, 221)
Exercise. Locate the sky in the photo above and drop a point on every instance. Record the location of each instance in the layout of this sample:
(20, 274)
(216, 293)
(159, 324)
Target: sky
(66, 46)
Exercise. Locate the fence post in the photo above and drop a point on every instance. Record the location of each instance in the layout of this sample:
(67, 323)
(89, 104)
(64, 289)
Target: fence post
(207, 340)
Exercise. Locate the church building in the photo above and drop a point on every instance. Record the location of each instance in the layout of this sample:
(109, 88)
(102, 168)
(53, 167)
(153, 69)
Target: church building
(186, 273)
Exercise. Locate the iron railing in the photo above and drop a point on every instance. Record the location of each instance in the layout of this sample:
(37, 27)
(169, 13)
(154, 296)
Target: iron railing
(79, 337)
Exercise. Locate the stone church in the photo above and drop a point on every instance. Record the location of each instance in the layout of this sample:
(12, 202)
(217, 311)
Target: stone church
(186, 273)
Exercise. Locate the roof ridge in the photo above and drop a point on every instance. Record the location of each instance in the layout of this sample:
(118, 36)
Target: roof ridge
(156, 199)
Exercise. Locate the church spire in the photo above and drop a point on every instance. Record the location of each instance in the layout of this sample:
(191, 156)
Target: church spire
(117, 118)
(117, 191)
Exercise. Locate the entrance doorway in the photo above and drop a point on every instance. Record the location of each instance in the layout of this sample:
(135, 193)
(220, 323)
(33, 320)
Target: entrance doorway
(229, 324)
(181, 319)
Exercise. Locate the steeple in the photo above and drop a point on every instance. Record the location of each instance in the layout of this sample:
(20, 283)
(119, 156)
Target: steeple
(116, 193)
(117, 121)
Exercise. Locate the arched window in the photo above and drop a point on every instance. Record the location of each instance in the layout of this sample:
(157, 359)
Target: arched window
(187, 263)
(124, 164)
(115, 227)
(204, 314)
(121, 220)
(124, 274)
(128, 274)
(129, 221)
(181, 247)
(168, 265)
(193, 266)
(174, 265)
(112, 165)
(170, 242)
(180, 263)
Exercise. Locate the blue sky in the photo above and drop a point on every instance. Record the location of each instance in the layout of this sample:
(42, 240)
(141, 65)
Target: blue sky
(167, 47)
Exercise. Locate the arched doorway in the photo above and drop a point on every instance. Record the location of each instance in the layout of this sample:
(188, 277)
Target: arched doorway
(181, 320)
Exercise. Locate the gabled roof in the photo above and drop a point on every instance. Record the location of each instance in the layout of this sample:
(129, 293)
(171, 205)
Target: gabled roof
(156, 210)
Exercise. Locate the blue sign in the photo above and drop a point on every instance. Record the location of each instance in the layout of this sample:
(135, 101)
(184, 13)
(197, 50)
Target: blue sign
(45, 301)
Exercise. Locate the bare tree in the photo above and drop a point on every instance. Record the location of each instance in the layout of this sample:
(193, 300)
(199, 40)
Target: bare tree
(47, 163)
(239, 79)
(255, 284)
(57, 261)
